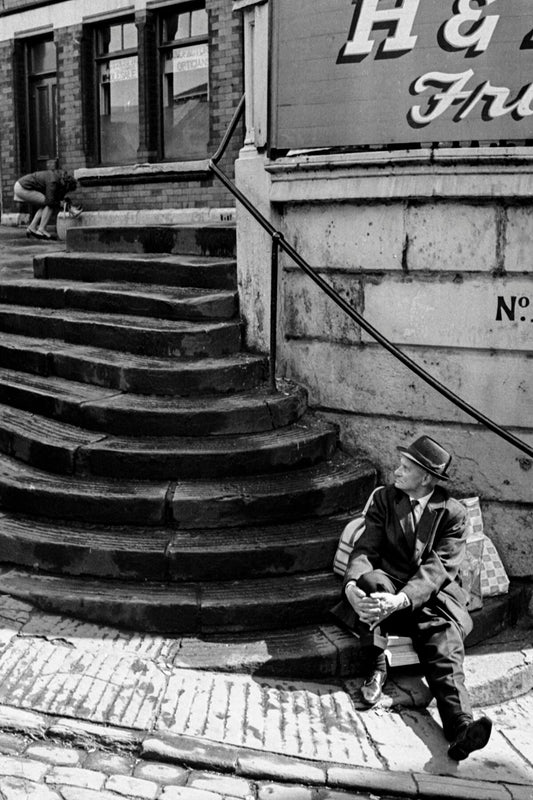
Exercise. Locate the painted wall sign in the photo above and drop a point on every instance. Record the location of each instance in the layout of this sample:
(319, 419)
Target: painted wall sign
(356, 72)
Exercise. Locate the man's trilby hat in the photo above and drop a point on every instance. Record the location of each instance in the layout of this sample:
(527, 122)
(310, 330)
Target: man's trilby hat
(430, 455)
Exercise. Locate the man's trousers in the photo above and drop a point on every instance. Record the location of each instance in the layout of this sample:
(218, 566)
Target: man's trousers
(438, 641)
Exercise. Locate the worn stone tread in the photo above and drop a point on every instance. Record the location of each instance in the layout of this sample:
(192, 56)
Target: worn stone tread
(132, 372)
(29, 490)
(305, 442)
(261, 603)
(158, 337)
(136, 552)
(168, 270)
(41, 441)
(59, 447)
(51, 386)
(98, 408)
(336, 485)
(245, 412)
(319, 651)
(164, 302)
(332, 486)
(213, 239)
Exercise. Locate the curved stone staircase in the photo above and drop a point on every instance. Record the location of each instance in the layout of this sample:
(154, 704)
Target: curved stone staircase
(148, 477)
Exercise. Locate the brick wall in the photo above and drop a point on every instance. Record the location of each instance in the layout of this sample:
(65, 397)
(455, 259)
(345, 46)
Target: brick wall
(226, 88)
(179, 194)
(71, 151)
(8, 133)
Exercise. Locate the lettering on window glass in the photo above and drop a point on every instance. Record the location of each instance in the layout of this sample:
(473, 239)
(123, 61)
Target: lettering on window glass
(124, 69)
(190, 58)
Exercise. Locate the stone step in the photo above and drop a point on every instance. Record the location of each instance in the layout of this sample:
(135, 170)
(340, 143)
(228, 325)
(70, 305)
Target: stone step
(302, 444)
(330, 487)
(143, 335)
(130, 372)
(166, 554)
(42, 442)
(161, 302)
(315, 651)
(206, 608)
(101, 409)
(66, 449)
(325, 650)
(194, 271)
(204, 240)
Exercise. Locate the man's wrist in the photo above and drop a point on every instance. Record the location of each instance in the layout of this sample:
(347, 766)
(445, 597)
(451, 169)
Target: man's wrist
(351, 586)
(404, 600)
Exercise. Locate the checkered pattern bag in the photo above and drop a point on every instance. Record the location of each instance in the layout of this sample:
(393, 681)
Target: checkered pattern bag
(492, 579)
(470, 570)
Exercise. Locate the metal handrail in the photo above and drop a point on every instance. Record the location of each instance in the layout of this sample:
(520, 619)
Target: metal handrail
(280, 242)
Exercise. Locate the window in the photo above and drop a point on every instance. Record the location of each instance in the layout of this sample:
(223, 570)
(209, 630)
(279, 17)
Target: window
(118, 92)
(183, 49)
(145, 86)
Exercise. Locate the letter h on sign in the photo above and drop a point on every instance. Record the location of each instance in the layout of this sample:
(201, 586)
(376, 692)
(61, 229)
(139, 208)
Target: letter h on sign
(368, 17)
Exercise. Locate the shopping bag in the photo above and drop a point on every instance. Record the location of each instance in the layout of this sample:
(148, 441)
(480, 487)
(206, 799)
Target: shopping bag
(349, 536)
(494, 579)
(483, 573)
(470, 570)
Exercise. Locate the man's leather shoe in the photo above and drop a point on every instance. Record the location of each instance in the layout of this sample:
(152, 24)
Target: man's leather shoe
(372, 688)
(472, 736)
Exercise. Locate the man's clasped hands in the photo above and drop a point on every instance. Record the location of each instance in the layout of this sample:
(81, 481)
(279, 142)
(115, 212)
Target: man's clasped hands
(375, 607)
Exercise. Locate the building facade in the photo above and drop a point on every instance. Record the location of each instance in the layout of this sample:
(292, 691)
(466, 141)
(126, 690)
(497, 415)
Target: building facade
(131, 98)
(391, 144)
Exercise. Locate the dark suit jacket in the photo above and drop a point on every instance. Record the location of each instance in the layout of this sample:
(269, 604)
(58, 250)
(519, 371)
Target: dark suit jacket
(426, 567)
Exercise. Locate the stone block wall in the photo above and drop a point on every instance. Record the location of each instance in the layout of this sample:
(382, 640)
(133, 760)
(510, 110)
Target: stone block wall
(437, 276)
(428, 276)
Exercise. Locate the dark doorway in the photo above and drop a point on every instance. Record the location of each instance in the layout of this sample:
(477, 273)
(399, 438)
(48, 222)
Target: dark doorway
(42, 103)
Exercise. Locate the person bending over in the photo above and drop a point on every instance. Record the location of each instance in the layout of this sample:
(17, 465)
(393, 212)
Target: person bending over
(403, 576)
(45, 190)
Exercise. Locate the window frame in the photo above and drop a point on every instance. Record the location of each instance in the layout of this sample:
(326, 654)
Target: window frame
(150, 49)
(98, 59)
(165, 46)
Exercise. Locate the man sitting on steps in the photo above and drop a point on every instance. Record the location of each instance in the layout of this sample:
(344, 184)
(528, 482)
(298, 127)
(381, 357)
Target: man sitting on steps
(403, 576)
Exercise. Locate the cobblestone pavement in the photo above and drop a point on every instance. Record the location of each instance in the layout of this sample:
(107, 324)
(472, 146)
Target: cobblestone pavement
(33, 768)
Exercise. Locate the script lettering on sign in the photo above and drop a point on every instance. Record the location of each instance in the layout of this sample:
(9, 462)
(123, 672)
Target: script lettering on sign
(380, 73)
(480, 32)
(469, 30)
(457, 90)
(369, 17)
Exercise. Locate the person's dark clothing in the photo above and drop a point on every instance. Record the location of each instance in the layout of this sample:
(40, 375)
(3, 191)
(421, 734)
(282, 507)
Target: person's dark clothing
(424, 564)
